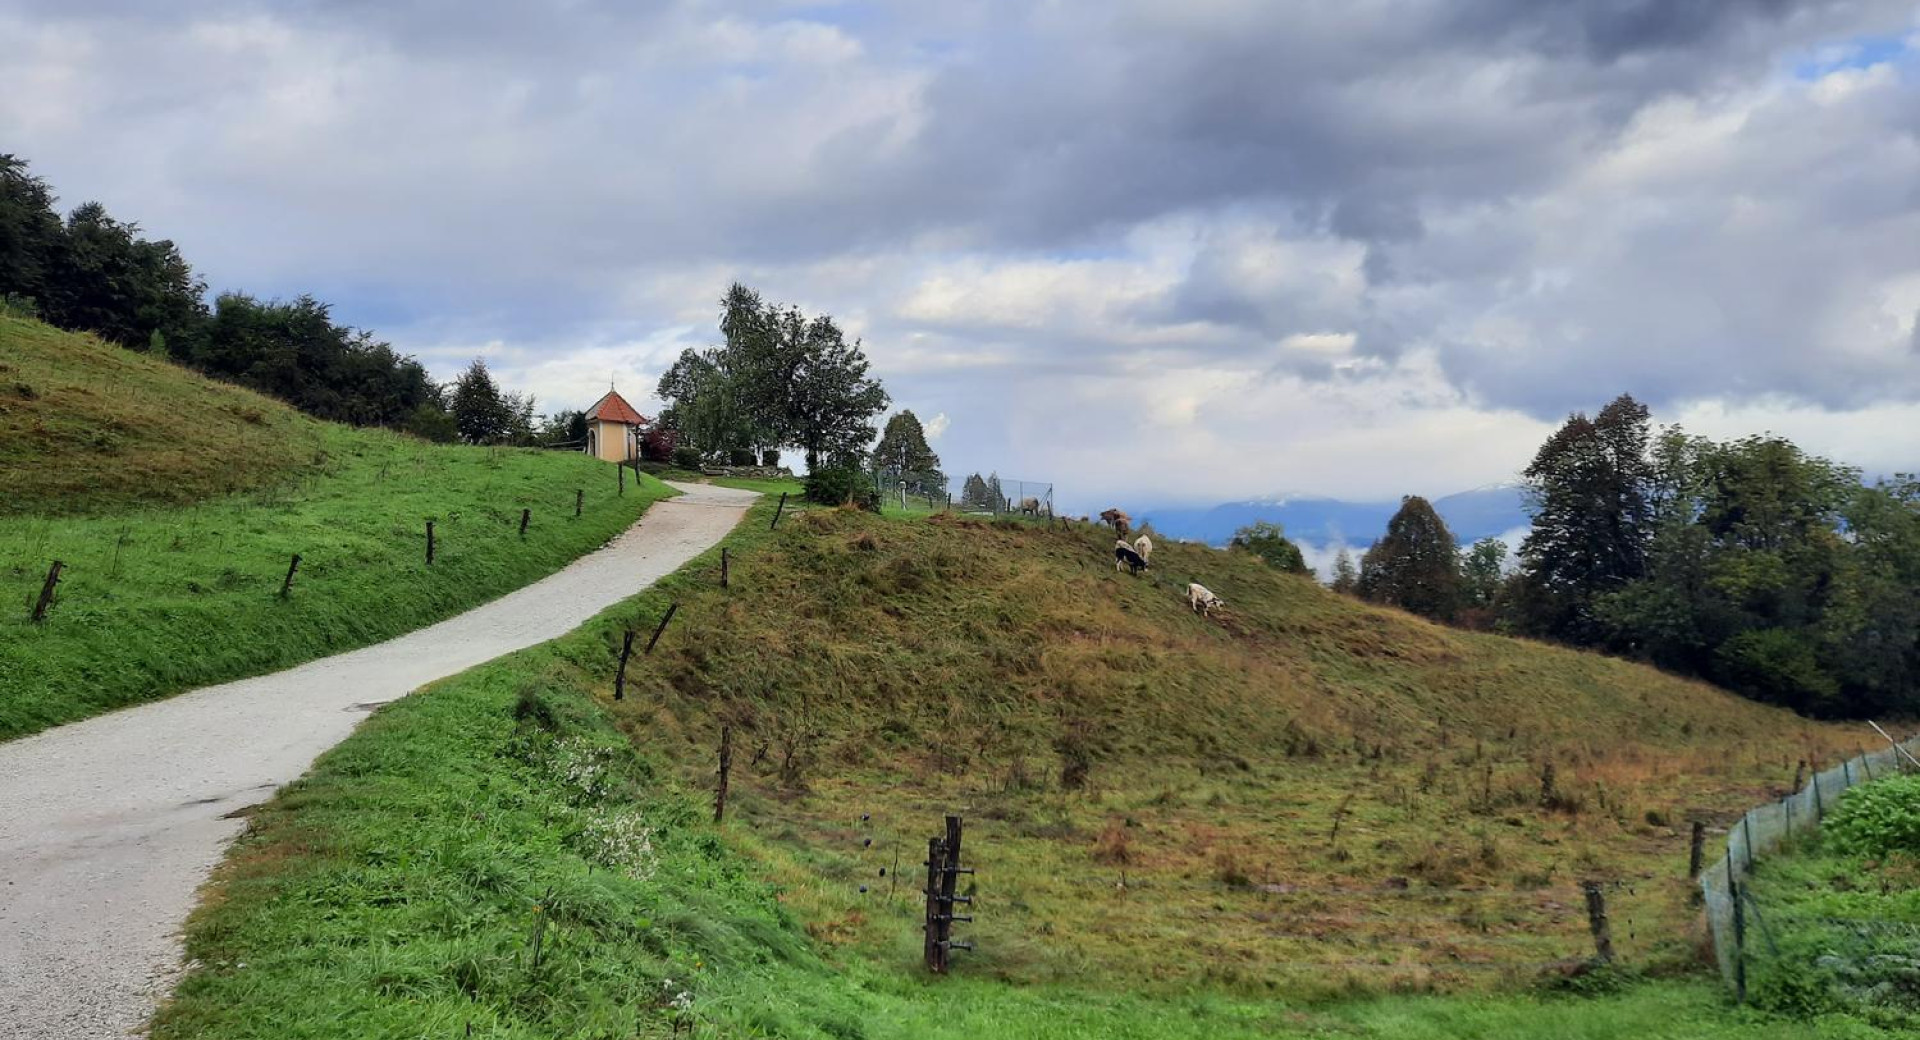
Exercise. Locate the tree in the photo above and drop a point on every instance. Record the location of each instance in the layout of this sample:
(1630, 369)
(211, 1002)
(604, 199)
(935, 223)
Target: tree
(30, 232)
(903, 457)
(1482, 568)
(479, 411)
(1413, 566)
(996, 498)
(1591, 485)
(1269, 542)
(1346, 579)
(974, 494)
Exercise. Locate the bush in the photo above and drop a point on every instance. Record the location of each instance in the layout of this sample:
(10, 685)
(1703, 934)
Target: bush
(658, 444)
(1877, 819)
(686, 457)
(837, 487)
(740, 456)
(770, 458)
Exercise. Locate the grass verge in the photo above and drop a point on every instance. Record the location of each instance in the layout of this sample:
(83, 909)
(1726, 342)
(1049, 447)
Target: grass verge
(154, 601)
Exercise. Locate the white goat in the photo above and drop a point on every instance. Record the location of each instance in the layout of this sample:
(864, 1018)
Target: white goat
(1144, 546)
(1202, 599)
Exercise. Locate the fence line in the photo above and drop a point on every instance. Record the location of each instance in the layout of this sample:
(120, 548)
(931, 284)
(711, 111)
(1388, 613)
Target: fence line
(1763, 829)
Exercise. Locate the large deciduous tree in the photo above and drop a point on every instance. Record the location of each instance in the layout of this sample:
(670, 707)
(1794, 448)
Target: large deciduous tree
(1413, 566)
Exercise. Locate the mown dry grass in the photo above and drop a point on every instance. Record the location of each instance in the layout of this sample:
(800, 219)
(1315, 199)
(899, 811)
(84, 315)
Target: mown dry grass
(885, 671)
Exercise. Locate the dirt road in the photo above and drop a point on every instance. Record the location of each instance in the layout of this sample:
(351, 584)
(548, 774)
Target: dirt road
(108, 826)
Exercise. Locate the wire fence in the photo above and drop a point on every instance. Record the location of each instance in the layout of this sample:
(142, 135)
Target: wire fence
(992, 495)
(1730, 906)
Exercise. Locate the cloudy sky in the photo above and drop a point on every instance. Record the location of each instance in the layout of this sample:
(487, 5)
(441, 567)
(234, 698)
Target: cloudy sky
(1149, 251)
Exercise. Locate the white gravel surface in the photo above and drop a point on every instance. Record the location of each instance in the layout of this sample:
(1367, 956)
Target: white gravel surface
(109, 826)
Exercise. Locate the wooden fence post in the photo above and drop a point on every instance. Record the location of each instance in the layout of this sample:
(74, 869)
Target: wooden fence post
(777, 510)
(1746, 830)
(1696, 848)
(579, 499)
(1597, 921)
(622, 468)
(671, 607)
(46, 592)
(620, 677)
(429, 543)
(525, 515)
(286, 587)
(726, 765)
(934, 954)
(1739, 943)
(723, 566)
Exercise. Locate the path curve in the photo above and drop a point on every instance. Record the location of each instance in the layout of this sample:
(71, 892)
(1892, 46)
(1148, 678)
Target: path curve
(109, 826)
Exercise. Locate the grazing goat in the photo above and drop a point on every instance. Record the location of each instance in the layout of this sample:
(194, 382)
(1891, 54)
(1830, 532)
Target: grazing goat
(1122, 523)
(1125, 559)
(1144, 546)
(1202, 599)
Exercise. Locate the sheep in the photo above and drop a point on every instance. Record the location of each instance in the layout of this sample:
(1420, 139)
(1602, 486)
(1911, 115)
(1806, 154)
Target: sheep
(1122, 523)
(1144, 546)
(1029, 507)
(1125, 559)
(1202, 599)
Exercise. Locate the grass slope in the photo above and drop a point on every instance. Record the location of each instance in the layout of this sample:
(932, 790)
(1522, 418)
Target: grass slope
(495, 854)
(159, 598)
(88, 427)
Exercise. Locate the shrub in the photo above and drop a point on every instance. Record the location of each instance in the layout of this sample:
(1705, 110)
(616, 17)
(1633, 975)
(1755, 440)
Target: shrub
(837, 487)
(686, 457)
(770, 458)
(740, 456)
(1877, 819)
(658, 444)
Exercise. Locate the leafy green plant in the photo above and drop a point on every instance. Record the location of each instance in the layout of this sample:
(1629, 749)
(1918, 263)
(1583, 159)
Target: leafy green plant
(1877, 819)
(837, 487)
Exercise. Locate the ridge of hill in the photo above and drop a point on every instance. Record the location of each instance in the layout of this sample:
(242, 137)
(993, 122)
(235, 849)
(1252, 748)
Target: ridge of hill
(90, 427)
(526, 834)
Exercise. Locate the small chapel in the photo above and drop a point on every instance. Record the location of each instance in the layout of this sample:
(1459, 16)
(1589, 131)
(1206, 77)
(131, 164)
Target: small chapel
(613, 429)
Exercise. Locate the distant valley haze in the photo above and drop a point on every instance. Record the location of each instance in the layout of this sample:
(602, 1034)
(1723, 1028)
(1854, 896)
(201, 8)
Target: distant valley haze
(1152, 253)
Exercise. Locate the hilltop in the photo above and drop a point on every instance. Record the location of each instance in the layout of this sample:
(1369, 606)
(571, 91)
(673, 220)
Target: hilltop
(90, 427)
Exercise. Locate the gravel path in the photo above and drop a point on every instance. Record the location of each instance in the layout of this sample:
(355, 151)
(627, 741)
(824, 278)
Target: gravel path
(109, 826)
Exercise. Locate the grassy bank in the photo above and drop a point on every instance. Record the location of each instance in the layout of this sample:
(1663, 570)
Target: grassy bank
(177, 531)
(496, 853)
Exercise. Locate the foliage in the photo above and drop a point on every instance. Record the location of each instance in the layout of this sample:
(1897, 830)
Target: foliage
(974, 496)
(1269, 542)
(1876, 819)
(1482, 570)
(660, 442)
(1590, 485)
(779, 378)
(842, 487)
(1413, 567)
(1346, 577)
(1748, 562)
(481, 413)
(295, 352)
(903, 457)
(686, 456)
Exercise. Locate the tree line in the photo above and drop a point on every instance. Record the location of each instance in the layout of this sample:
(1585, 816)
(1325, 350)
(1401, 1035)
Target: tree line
(1748, 563)
(91, 272)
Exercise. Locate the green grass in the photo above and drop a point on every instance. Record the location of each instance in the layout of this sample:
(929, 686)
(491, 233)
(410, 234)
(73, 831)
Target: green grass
(403, 887)
(159, 598)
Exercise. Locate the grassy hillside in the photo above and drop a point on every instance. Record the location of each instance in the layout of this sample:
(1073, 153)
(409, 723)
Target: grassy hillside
(508, 850)
(88, 427)
(176, 534)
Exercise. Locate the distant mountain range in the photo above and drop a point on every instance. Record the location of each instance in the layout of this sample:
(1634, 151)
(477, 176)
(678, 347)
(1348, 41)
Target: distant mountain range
(1471, 515)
